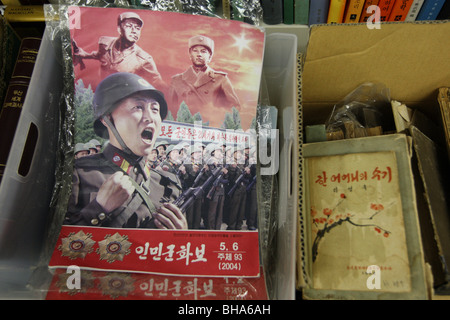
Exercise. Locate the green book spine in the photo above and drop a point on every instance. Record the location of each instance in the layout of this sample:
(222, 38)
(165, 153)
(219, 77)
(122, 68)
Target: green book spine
(288, 11)
(301, 11)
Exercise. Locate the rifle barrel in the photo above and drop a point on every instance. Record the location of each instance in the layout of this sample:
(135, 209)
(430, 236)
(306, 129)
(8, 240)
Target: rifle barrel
(186, 199)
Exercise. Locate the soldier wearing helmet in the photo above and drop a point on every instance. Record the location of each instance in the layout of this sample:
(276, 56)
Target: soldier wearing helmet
(239, 176)
(153, 159)
(117, 188)
(161, 146)
(172, 161)
(92, 148)
(214, 201)
(97, 144)
(200, 86)
(184, 151)
(191, 172)
(122, 54)
(81, 150)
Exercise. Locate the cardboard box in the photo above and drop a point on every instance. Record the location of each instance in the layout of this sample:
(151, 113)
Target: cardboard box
(411, 59)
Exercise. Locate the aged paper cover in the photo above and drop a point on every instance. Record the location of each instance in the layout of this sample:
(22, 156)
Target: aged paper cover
(362, 238)
(357, 221)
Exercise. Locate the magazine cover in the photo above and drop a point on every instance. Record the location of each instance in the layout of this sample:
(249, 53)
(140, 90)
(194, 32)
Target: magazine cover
(363, 238)
(355, 201)
(101, 285)
(165, 149)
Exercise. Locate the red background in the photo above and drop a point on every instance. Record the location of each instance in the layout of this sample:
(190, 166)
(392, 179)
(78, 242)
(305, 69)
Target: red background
(216, 242)
(165, 36)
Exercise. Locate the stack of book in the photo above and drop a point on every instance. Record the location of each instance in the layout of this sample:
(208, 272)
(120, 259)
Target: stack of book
(20, 39)
(309, 12)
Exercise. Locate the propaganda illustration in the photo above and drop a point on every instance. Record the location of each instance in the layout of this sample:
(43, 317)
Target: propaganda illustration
(165, 119)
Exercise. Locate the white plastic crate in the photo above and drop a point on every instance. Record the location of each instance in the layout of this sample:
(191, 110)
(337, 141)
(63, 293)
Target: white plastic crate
(25, 193)
(280, 70)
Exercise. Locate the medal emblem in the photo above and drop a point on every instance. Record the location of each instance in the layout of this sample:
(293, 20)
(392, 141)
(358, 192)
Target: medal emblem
(116, 284)
(114, 247)
(76, 245)
(87, 283)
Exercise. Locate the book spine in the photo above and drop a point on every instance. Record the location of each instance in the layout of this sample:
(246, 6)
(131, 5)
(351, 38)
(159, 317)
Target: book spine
(38, 2)
(34, 13)
(272, 11)
(11, 2)
(385, 9)
(9, 46)
(15, 96)
(288, 11)
(318, 11)
(354, 10)
(430, 9)
(336, 11)
(400, 10)
(444, 14)
(414, 10)
(301, 11)
(364, 14)
(226, 9)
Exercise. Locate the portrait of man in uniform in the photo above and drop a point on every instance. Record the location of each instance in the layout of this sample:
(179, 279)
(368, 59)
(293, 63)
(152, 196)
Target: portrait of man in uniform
(203, 70)
(213, 71)
(122, 54)
(200, 86)
(116, 187)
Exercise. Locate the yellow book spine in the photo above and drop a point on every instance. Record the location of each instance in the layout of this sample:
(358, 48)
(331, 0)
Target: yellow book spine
(354, 9)
(336, 11)
(24, 13)
(11, 2)
(226, 9)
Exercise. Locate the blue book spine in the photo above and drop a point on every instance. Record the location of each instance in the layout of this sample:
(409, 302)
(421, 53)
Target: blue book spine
(430, 9)
(318, 11)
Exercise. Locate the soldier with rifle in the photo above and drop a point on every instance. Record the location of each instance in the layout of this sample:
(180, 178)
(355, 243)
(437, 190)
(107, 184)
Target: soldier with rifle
(216, 195)
(252, 203)
(188, 198)
(192, 175)
(229, 151)
(172, 162)
(238, 177)
(122, 53)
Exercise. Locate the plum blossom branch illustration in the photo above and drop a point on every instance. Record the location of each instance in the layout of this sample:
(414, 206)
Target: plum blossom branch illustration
(327, 222)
